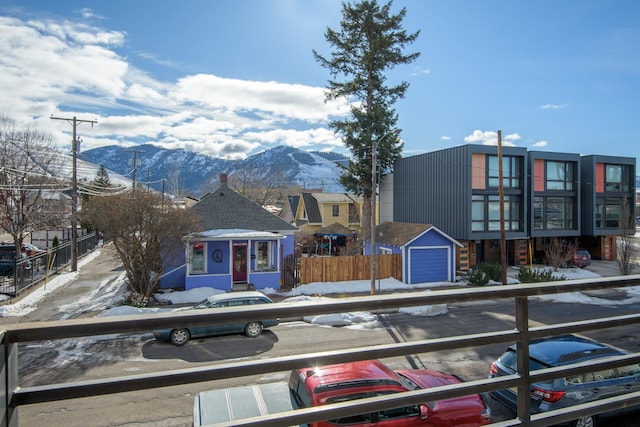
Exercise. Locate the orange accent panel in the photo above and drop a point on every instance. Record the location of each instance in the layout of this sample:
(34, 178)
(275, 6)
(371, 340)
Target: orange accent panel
(599, 177)
(478, 173)
(538, 175)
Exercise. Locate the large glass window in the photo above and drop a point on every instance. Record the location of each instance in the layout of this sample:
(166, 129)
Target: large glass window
(264, 256)
(485, 213)
(477, 213)
(553, 213)
(608, 212)
(617, 178)
(197, 258)
(560, 176)
(335, 210)
(511, 171)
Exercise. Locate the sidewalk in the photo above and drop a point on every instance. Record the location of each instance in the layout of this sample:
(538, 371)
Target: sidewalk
(103, 269)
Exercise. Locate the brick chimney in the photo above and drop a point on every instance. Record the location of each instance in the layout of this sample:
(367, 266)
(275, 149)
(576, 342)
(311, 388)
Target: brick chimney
(223, 178)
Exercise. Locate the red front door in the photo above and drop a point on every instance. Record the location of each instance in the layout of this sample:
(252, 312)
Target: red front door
(239, 263)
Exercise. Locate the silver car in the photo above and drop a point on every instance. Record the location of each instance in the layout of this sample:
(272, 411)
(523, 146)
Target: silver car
(572, 390)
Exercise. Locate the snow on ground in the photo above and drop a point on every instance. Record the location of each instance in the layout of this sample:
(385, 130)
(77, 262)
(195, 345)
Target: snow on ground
(108, 294)
(31, 301)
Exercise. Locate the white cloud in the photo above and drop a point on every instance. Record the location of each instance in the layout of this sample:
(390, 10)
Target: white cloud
(73, 69)
(445, 138)
(552, 106)
(279, 99)
(419, 71)
(540, 144)
(491, 138)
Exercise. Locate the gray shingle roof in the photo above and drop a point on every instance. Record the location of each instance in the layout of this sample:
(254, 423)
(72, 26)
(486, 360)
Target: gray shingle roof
(400, 233)
(225, 208)
(311, 206)
(335, 228)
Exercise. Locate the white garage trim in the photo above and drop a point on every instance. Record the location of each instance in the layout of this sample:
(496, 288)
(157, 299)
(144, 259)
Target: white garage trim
(410, 260)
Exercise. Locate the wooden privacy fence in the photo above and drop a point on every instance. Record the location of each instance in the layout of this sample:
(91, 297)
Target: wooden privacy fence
(343, 268)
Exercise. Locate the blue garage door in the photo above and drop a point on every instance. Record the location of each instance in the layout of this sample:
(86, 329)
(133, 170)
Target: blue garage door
(429, 265)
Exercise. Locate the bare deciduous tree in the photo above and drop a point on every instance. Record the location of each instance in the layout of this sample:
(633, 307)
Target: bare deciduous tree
(30, 191)
(559, 252)
(263, 190)
(146, 232)
(626, 249)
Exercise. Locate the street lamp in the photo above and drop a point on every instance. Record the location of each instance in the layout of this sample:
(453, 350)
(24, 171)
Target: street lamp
(374, 166)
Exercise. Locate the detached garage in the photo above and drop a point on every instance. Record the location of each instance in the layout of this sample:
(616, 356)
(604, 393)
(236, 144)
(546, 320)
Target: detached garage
(428, 254)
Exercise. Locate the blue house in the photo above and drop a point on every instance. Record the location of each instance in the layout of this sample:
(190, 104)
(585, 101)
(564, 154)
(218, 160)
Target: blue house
(239, 245)
(428, 254)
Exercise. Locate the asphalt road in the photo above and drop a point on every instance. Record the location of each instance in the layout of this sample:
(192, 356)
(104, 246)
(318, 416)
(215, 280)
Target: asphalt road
(77, 360)
(172, 406)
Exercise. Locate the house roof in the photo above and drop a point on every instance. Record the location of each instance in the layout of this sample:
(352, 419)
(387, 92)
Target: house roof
(236, 233)
(333, 198)
(311, 207)
(335, 229)
(402, 233)
(225, 208)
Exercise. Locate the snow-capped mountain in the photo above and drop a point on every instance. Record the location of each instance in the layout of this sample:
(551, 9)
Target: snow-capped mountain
(195, 174)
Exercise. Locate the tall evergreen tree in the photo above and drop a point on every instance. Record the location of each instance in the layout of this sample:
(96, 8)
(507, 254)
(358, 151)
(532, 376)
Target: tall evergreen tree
(370, 42)
(102, 178)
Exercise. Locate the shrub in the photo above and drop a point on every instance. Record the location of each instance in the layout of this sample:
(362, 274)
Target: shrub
(476, 277)
(483, 273)
(492, 270)
(535, 275)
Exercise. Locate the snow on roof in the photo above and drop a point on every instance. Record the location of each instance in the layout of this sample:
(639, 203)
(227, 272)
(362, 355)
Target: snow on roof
(333, 197)
(236, 233)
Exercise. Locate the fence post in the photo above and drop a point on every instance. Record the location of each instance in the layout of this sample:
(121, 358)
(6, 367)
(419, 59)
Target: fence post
(9, 380)
(522, 359)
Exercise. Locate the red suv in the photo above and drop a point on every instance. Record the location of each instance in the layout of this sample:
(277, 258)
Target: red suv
(581, 258)
(356, 380)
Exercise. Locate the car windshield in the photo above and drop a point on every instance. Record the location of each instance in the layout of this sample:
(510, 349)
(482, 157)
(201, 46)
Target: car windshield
(510, 361)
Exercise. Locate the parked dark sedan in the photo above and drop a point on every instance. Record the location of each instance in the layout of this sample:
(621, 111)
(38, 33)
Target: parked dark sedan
(180, 335)
(571, 390)
(8, 262)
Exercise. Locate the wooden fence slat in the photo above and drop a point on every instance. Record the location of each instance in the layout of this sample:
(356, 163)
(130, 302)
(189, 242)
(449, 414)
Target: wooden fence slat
(345, 268)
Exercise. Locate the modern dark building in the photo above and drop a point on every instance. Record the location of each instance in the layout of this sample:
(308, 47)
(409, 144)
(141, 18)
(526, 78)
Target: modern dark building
(608, 202)
(545, 195)
(554, 197)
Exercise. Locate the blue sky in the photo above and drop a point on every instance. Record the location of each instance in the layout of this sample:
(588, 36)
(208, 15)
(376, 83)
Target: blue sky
(231, 78)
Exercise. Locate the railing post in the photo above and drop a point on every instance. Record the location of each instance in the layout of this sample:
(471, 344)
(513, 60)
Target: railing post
(9, 378)
(522, 355)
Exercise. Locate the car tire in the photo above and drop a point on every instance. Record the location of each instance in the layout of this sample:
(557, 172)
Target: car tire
(179, 336)
(253, 329)
(588, 421)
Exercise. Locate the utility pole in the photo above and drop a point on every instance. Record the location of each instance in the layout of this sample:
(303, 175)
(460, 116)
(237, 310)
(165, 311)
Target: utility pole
(135, 166)
(374, 181)
(74, 183)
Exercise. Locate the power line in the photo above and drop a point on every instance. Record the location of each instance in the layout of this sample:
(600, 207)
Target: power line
(74, 192)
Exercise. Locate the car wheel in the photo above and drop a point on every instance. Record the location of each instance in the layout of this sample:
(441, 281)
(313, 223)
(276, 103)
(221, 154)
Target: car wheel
(588, 421)
(179, 336)
(253, 329)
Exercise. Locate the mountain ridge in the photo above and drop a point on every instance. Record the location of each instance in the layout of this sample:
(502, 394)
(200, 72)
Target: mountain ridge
(191, 173)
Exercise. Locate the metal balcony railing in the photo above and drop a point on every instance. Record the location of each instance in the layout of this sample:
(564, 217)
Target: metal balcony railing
(16, 396)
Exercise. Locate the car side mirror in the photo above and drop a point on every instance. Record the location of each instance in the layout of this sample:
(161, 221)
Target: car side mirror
(424, 411)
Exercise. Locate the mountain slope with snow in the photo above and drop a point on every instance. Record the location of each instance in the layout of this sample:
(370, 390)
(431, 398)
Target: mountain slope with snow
(195, 174)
